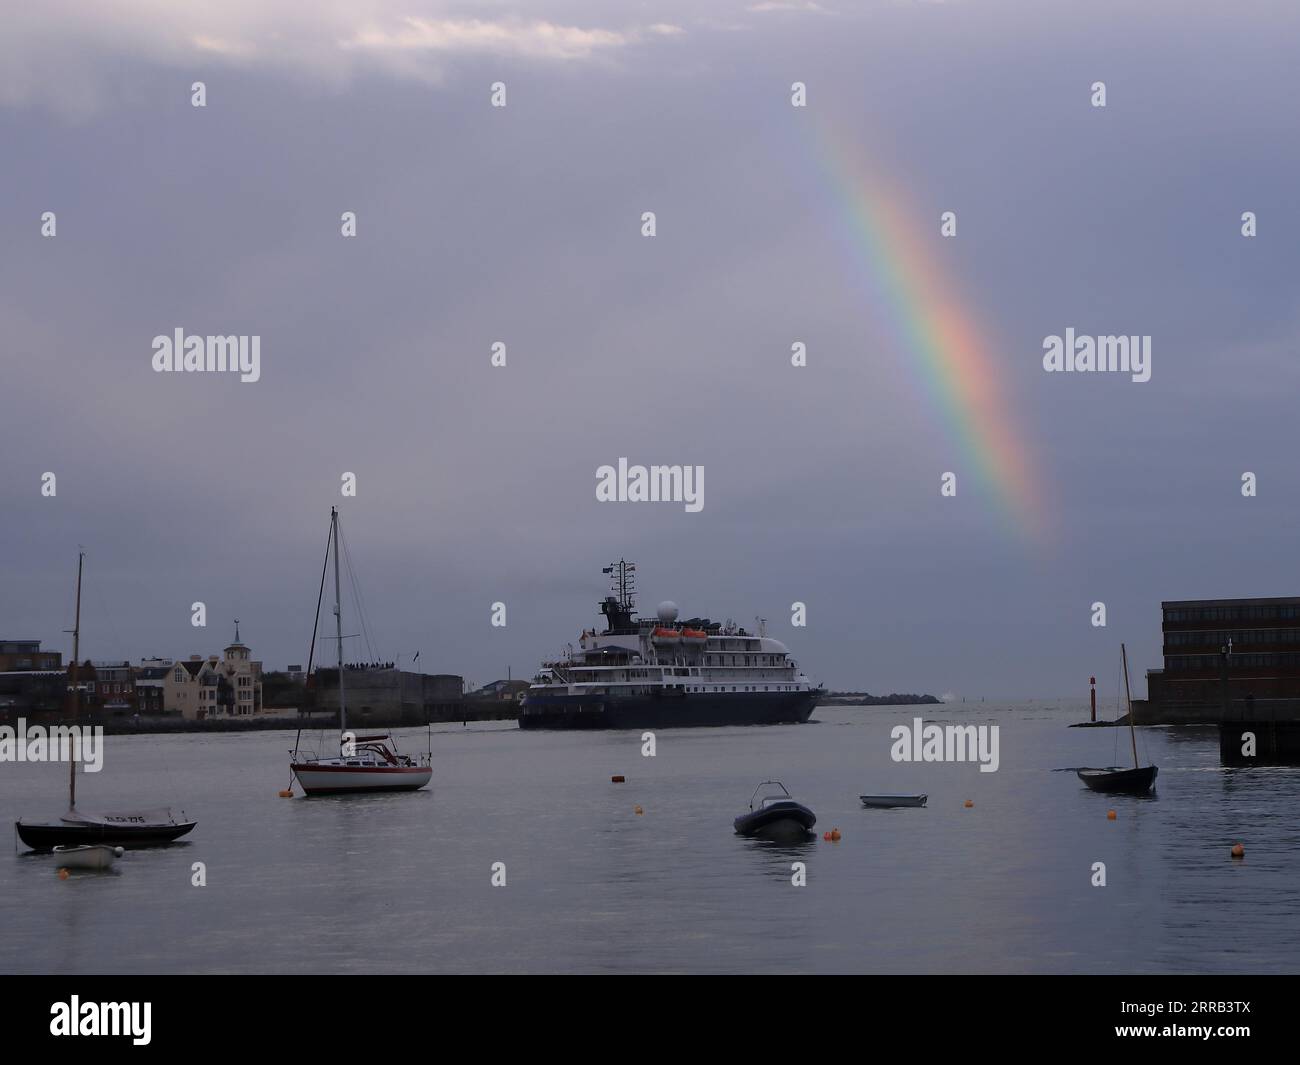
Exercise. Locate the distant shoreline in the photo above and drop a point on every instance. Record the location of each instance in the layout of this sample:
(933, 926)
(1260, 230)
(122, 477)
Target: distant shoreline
(145, 726)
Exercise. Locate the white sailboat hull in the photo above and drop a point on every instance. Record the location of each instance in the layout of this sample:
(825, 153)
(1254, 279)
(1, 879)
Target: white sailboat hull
(323, 779)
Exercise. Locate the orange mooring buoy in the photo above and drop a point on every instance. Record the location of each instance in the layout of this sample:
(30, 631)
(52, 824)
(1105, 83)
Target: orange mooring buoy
(287, 793)
(969, 803)
(637, 810)
(1238, 851)
(63, 874)
(1110, 815)
(835, 835)
(620, 779)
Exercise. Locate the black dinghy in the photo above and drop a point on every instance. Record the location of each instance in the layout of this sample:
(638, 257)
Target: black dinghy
(775, 815)
(1120, 781)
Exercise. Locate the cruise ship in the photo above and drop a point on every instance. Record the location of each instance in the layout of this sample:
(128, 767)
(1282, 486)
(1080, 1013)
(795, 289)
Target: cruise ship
(663, 672)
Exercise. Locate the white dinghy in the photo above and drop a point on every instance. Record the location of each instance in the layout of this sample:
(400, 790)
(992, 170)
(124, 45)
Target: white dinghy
(98, 856)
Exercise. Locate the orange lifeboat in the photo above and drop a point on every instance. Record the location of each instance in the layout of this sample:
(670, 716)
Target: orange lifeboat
(694, 635)
(663, 636)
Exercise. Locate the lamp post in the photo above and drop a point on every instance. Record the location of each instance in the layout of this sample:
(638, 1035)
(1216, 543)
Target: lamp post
(1225, 654)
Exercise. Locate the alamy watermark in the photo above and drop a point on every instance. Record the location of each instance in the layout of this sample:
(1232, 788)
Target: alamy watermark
(58, 743)
(1112, 354)
(651, 484)
(211, 354)
(77, 1018)
(920, 742)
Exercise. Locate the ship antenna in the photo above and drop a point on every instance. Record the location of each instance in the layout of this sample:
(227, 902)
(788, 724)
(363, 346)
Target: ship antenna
(618, 608)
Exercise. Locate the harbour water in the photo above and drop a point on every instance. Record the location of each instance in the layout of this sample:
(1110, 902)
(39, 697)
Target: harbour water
(403, 883)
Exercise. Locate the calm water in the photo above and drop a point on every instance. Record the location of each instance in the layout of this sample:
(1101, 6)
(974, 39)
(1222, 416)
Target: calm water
(402, 883)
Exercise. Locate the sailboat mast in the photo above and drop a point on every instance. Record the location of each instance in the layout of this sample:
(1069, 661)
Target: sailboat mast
(76, 690)
(338, 618)
(1132, 732)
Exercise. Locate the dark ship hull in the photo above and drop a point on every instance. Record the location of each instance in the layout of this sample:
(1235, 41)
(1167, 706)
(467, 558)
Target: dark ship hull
(671, 710)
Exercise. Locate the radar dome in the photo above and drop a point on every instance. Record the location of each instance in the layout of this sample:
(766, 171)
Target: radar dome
(667, 611)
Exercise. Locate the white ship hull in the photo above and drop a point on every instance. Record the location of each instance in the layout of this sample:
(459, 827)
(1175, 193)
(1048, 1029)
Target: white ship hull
(318, 778)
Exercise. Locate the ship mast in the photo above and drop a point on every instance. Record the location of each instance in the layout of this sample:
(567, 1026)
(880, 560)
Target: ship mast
(1132, 732)
(618, 608)
(76, 690)
(338, 624)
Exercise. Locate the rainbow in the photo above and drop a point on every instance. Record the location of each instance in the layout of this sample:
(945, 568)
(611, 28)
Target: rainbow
(926, 314)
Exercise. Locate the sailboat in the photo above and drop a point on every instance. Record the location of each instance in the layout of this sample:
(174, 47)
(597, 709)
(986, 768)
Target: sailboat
(77, 828)
(365, 763)
(1135, 781)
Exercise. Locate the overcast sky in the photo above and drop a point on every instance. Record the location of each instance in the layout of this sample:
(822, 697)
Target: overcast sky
(522, 224)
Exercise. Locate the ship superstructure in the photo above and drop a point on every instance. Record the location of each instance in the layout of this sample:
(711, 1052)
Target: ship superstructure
(665, 672)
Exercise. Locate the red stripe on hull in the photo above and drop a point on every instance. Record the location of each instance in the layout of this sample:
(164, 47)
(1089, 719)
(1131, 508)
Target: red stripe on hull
(313, 767)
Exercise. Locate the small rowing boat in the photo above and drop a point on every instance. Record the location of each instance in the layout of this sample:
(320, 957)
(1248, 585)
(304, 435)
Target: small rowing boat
(890, 802)
(1118, 781)
(88, 856)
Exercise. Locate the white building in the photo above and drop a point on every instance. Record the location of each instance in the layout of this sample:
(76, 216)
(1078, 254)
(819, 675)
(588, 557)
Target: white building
(200, 688)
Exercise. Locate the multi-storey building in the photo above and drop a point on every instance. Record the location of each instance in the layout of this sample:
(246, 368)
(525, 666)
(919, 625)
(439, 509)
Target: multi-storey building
(1242, 655)
(200, 688)
(19, 655)
(151, 687)
(114, 687)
